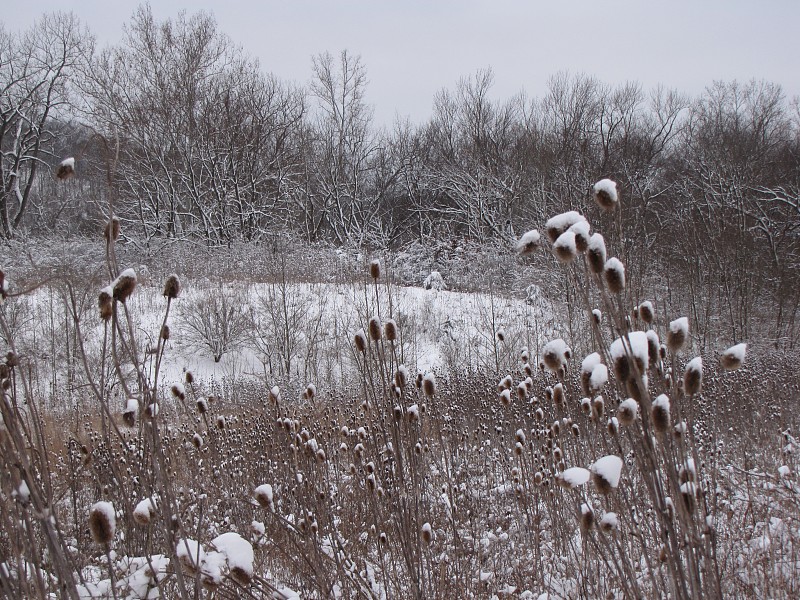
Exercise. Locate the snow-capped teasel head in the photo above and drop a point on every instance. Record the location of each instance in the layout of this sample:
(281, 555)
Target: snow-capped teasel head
(733, 357)
(605, 194)
(564, 247)
(609, 523)
(560, 223)
(375, 268)
(124, 285)
(677, 334)
(239, 555)
(144, 511)
(637, 340)
(587, 366)
(426, 533)
(429, 384)
(693, 376)
(596, 253)
(615, 275)
(573, 477)
(587, 517)
(172, 287)
(597, 315)
(653, 346)
(529, 242)
(581, 230)
(627, 411)
(660, 413)
(555, 354)
(102, 522)
(646, 311)
(66, 168)
(606, 473)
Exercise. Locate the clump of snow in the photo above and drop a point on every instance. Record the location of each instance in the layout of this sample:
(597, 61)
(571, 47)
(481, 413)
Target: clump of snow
(573, 477)
(733, 357)
(590, 362)
(529, 242)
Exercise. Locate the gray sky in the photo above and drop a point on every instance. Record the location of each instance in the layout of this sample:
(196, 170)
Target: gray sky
(413, 48)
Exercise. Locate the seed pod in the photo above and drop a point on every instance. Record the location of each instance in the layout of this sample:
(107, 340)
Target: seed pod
(111, 232)
(374, 329)
(587, 518)
(165, 331)
(733, 357)
(172, 287)
(429, 384)
(375, 268)
(360, 340)
(605, 194)
(528, 243)
(390, 330)
(646, 311)
(677, 334)
(105, 302)
(615, 275)
(66, 168)
(659, 413)
(627, 411)
(564, 247)
(596, 253)
(102, 522)
(693, 376)
(124, 285)
(427, 533)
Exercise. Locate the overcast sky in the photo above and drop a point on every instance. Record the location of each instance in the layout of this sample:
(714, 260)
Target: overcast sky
(413, 48)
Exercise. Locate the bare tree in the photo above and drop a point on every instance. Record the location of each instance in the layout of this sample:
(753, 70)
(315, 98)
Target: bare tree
(35, 71)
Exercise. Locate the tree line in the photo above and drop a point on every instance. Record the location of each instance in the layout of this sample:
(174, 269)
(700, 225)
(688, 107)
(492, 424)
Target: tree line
(184, 136)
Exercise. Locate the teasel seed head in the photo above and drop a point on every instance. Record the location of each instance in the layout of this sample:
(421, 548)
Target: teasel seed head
(111, 232)
(429, 384)
(360, 340)
(596, 253)
(172, 287)
(605, 194)
(693, 376)
(165, 331)
(105, 302)
(615, 275)
(586, 518)
(374, 329)
(124, 285)
(677, 334)
(66, 168)
(627, 412)
(529, 242)
(426, 533)
(646, 312)
(375, 268)
(660, 413)
(733, 357)
(390, 330)
(102, 522)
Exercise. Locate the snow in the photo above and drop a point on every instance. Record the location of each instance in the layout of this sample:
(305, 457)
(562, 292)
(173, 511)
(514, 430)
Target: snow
(434, 281)
(528, 242)
(573, 477)
(629, 406)
(609, 468)
(68, 162)
(614, 268)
